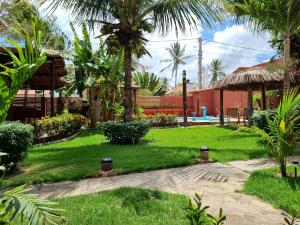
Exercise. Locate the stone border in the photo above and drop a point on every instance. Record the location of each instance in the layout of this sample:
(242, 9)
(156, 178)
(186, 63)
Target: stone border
(58, 141)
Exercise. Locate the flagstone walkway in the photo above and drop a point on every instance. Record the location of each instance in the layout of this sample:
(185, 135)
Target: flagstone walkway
(218, 182)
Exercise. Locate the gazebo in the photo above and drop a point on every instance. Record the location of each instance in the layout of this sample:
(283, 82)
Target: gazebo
(253, 79)
(46, 78)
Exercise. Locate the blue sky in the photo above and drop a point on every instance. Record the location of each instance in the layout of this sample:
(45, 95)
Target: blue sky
(228, 32)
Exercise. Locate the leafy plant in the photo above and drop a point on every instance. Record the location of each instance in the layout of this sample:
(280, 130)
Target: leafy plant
(156, 85)
(16, 205)
(197, 215)
(15, 139)
(162, 120)
(24, 64)
(98, 73)
(125, 133)
(126, 22)
(57, 127)
(284, 129)
(260, 119)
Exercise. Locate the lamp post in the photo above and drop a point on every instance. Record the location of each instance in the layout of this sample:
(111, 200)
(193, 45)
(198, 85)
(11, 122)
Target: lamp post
(184, 98)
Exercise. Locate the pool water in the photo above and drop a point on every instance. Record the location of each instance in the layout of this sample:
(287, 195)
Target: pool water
(208, 118)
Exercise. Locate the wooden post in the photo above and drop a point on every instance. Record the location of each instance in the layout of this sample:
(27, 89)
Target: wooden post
(250, 106)
(221, 107)
(184, 94)
(263, 97)
(52, 88)
(43, 106)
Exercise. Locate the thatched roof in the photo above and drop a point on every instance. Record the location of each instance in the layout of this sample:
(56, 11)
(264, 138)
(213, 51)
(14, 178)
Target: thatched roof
(256, 77)
(54, 66)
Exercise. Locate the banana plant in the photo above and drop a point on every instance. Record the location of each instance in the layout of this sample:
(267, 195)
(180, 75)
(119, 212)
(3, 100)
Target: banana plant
(25, 62)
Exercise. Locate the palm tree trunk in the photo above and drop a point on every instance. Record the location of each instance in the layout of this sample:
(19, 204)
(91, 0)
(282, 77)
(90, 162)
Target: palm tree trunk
(176, 73)
(287, 57)
(128, 79)
(92, 107)
(283, 169)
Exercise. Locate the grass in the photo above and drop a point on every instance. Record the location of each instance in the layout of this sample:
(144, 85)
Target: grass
(130, 206)
(283, 193)
(161, 148)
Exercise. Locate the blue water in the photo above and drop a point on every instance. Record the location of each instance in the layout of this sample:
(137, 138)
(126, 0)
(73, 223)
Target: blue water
(207, 118)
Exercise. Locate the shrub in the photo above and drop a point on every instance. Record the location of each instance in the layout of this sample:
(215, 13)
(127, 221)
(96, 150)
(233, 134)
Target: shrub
(118, 132)
(260, 119)
(162, 120)
(15, 139)
(54, 128)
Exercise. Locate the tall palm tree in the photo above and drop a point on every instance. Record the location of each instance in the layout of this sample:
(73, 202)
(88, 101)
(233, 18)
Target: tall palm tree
(217, 70)
(279, 16)
(177, 58)
(124, 23)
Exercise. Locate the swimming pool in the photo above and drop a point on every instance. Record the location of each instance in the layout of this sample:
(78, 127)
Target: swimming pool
(198, 119)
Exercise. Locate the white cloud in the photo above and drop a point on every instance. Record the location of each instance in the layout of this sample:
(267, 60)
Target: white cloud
(231, 57)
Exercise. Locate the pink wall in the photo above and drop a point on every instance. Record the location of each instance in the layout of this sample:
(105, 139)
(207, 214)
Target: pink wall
(209, 98)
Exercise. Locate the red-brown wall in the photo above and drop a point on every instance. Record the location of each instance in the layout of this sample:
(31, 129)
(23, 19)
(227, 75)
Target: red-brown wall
(209, 98)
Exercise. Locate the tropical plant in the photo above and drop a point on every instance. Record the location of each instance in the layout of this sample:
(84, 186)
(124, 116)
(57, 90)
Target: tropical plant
(283, 129)
(197, 215)
(16, 13)
(156, 85)
(25, 62)
(125, 23)
(96, 72)
(177, 58)
(281, 17)
(17, 205)
(217, 71)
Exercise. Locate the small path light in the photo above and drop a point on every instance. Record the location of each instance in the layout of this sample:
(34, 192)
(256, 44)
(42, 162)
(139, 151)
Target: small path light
(296, 163)
(204, 153)
(106, 164)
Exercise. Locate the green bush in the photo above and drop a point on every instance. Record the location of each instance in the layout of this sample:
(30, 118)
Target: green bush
(162, 120)
(58, 127)
(260, 119)
(15, 139)
(118, 132)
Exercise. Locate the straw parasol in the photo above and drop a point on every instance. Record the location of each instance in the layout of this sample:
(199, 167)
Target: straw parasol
(253, 79)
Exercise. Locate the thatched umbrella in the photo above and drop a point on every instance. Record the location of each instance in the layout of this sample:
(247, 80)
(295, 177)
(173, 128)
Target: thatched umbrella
(253, 79)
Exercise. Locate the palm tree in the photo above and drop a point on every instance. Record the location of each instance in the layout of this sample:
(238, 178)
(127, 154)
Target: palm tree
(177, 58)
(279, 16)
(284, 129)
(216, 68)
(124, 23)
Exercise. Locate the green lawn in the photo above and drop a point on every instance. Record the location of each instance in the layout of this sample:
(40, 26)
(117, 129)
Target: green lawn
(128, 206)
(283, 193)
(161, 148)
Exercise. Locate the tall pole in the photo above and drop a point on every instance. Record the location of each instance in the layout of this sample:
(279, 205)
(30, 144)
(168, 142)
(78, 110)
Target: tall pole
(184, 98)
(200, 70)
(221, 107)
(250, 106)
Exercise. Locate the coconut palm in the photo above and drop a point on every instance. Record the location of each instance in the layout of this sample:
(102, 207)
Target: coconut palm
(217, 71)
(124, 23)
(177, 58)
(279, 16)
(284, 129)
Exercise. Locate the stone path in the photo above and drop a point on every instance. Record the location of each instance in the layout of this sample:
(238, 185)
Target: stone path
(218, 183)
